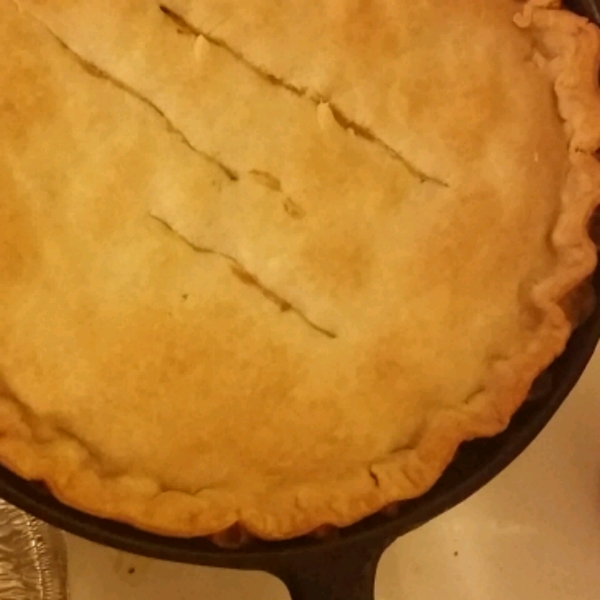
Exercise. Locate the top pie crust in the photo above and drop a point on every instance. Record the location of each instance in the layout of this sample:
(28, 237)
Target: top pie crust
(269, 263)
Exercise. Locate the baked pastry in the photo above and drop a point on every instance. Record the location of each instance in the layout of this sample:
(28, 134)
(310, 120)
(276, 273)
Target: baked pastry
(268, 264)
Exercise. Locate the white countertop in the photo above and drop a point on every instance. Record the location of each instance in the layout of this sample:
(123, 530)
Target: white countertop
(533, 533)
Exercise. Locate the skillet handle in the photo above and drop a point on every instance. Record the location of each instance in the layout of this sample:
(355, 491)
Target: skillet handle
(337, 573)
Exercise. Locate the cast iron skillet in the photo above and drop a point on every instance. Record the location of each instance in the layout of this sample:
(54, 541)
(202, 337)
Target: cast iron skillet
(343, 568)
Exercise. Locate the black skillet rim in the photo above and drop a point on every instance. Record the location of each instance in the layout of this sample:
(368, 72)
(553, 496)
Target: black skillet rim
(476, 464)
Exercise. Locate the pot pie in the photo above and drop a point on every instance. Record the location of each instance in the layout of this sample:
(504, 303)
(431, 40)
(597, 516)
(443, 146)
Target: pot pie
(266, 265)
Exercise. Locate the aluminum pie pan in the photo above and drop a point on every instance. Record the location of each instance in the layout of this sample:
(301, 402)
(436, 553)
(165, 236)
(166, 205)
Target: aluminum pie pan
(33, 560)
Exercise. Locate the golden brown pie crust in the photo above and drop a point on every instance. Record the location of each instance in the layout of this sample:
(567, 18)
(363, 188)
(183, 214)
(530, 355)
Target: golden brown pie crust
(267, 265)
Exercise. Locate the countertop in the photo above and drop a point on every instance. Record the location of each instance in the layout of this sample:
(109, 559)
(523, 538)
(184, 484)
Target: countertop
(533, 533)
